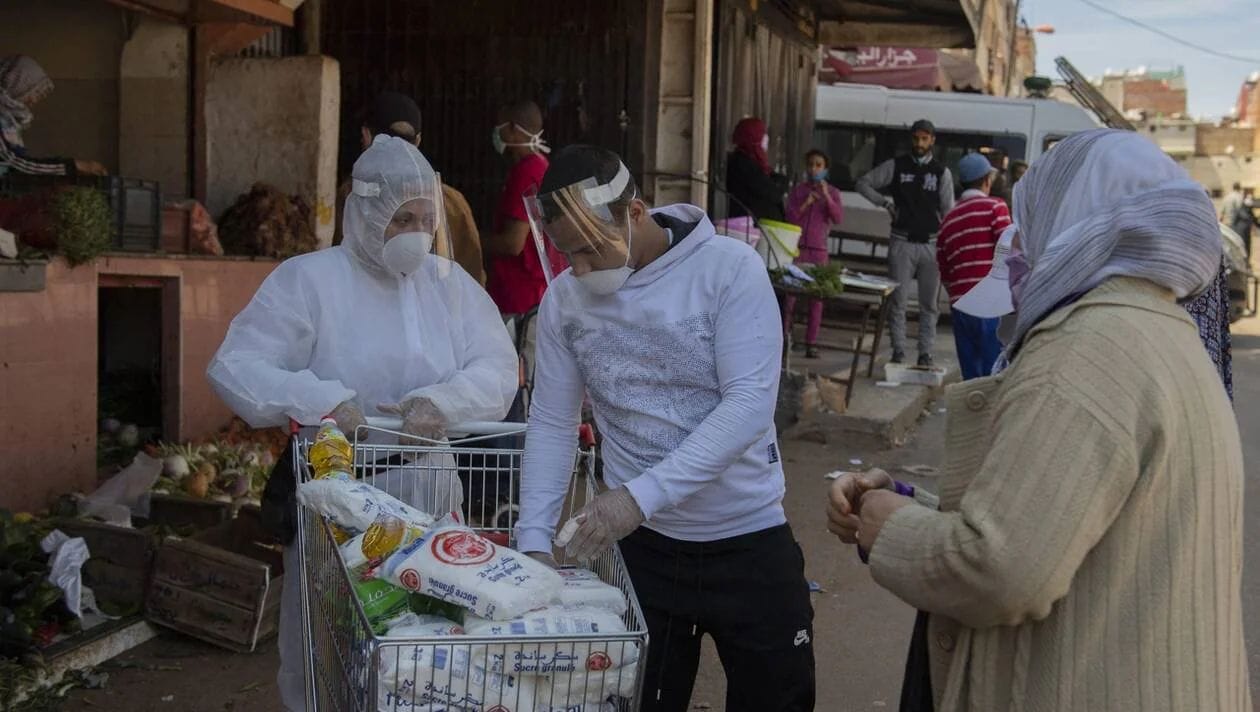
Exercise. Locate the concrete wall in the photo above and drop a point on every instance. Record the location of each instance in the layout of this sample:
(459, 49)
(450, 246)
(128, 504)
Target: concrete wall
(274, 120)
(153, 106)
(78, 42)
(1218, 173)
(48, 366)
(1223, 140)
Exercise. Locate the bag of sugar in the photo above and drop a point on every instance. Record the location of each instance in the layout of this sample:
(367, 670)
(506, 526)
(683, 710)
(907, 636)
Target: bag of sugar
(455, 564)
(353, 506)
(583, 587)
(585, 689)
(556, 657)
(446, 677)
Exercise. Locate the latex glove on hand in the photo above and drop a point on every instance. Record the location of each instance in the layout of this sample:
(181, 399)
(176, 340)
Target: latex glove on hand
(891, 206)
(607, 519)
(420, 417)
(349, 417)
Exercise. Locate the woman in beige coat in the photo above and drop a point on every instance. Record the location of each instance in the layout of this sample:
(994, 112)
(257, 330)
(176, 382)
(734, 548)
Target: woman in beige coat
(1086, 550)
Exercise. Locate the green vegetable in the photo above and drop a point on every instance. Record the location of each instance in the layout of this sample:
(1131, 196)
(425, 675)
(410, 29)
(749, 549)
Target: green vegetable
(83, 224)
(826, 284)
(428, 605)
(28, 601)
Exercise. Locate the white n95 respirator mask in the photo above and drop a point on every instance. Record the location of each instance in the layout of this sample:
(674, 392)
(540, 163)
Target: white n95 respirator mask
(405, 253)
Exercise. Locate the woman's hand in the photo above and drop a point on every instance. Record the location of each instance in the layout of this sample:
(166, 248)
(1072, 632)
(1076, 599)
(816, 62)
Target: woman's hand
(90, 168)
(845, 498)
(877, 507)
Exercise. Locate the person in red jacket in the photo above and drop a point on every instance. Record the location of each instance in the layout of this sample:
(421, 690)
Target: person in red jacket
(815, 206)
(964, 252)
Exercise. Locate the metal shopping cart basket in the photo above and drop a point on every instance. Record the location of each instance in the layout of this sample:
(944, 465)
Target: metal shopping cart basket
(349, 667)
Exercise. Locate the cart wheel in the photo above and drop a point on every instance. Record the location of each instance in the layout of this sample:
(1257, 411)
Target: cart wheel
(505, 516)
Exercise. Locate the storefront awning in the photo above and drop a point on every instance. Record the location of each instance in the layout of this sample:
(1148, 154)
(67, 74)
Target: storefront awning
(901, 68)
(257, 12)
(898, 23)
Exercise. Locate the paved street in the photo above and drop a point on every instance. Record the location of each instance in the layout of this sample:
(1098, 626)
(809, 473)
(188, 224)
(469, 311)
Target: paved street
(861, 632)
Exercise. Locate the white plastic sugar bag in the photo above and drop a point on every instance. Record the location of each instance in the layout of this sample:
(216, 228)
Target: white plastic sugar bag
(583, 587)
(446, 677)
(414, 625)
(544, 658)
(585, 690)
(430, 483)
(355, 505)
(454, 564)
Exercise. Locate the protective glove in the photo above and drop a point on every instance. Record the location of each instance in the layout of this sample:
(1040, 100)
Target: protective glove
(603, 522)
(891, 206)
(349, 417)
(420, 417)
(543, 557)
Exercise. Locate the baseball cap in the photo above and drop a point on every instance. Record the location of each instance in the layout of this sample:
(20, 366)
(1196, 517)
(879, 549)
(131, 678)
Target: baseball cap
(923, 125)
(974, 166)
(991, 297)
(389, 108)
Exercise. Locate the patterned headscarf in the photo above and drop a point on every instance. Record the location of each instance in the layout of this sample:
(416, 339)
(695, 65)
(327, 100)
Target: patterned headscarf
(22, 82)
(1107, 203)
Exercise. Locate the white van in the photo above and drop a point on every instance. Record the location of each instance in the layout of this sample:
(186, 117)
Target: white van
(860, 126)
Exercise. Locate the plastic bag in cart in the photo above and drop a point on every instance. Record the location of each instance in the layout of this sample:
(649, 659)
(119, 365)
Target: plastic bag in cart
(585, 690)
(430, 483)
(355, 505)
(457, 565)
(583, 587)
(558, 657)
(445, 677)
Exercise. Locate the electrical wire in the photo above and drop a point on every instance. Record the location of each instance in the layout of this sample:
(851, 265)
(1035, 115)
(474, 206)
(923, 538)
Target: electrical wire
(1150, 28)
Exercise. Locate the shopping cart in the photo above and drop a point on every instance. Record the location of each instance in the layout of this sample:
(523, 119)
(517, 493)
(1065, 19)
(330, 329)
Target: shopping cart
(348, 667)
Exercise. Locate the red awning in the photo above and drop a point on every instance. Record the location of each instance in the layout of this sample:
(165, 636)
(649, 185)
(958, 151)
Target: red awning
(892, 67)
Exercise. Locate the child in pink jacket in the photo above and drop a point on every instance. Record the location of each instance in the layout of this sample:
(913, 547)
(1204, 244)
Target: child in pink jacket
(815, 206)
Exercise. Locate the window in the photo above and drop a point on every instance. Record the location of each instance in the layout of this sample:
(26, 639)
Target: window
(854, 149)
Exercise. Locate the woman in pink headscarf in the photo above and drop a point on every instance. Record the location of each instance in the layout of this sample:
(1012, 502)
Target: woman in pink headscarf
(748, 176)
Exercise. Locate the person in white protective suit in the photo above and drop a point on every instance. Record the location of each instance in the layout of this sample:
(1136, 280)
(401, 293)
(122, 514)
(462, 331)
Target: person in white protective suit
(374, 326)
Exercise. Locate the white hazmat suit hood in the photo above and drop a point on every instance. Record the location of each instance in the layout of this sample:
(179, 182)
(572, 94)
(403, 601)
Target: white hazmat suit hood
(339, 325)
(390, 173)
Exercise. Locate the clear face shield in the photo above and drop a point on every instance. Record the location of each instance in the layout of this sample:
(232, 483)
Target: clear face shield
(578, 222)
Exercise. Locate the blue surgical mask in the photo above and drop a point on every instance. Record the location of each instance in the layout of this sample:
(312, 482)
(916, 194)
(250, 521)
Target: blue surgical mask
(820, 176)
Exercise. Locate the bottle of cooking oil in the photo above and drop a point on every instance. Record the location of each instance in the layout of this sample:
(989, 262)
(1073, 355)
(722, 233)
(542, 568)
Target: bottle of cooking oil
(386, 535)
(331, 454)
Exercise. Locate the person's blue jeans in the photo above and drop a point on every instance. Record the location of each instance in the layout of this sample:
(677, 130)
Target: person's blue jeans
(977, 344)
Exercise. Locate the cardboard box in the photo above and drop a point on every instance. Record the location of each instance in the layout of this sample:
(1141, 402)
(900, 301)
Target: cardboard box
(221, 585)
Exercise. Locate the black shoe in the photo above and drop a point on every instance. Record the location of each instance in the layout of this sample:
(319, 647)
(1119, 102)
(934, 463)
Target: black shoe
(898, 357)
(925, 360)
(811, 351)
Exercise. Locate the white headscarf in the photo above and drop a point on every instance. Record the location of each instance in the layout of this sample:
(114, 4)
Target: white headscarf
(22, 81)
(1107, 203)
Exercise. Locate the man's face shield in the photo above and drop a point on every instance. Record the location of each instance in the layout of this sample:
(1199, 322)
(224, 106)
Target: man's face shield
(578, 222)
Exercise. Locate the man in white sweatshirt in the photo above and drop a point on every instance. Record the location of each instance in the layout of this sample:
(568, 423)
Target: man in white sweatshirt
(675, 334)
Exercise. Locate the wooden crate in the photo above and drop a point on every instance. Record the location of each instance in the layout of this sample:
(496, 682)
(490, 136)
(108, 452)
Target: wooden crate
(221, 585)
(178, 511)
(118, 572)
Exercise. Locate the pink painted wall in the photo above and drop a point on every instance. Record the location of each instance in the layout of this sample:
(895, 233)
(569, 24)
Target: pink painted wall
(48, 355)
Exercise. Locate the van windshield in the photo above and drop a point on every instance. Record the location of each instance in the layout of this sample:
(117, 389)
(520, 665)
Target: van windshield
(855, 149)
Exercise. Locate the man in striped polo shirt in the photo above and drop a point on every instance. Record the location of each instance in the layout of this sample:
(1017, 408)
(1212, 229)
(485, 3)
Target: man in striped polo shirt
(964, 252)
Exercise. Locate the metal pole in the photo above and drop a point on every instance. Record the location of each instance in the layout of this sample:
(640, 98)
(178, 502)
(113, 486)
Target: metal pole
(1010, 57)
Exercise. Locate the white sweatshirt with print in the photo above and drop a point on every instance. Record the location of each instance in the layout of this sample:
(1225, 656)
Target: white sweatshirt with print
(682, 368)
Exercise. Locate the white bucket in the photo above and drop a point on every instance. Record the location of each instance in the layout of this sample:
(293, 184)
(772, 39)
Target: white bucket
(778, 246)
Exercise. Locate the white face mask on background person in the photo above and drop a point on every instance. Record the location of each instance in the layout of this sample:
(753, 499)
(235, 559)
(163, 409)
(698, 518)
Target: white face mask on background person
(404, 253)
(606, 281)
